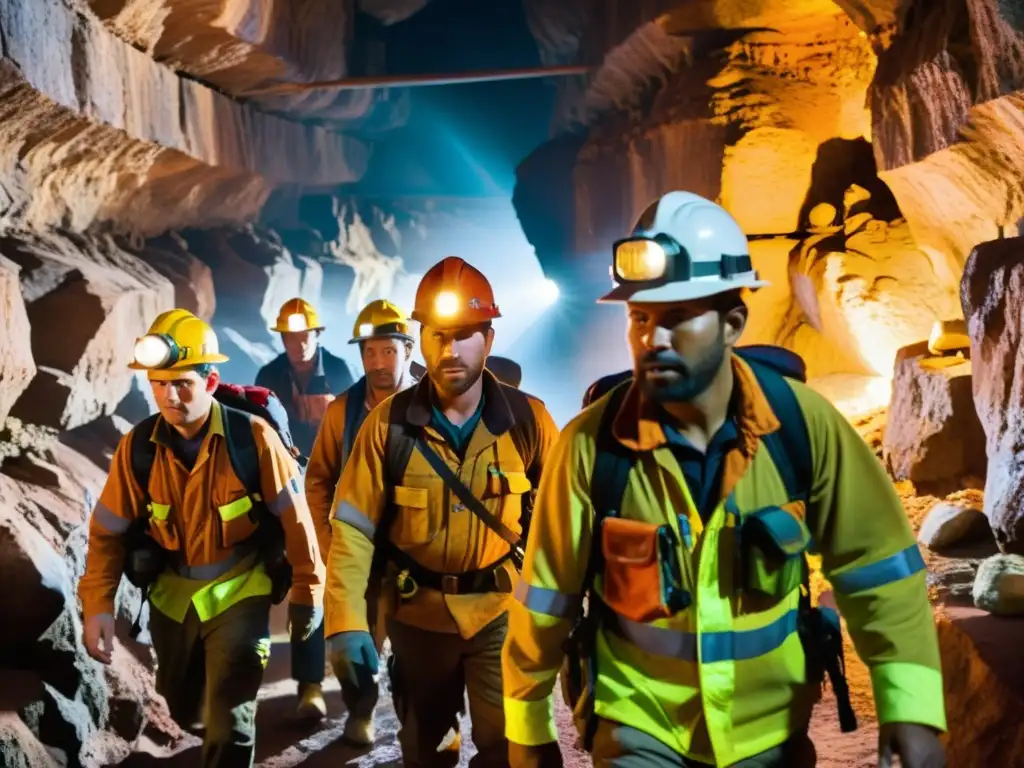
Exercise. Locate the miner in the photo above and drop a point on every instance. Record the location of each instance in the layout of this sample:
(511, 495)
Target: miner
(682, 505)
(433, 497)
(178, 517)
(385, 346)
(307, 378)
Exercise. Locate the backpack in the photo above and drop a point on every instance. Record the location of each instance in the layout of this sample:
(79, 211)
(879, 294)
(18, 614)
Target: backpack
(239, 404)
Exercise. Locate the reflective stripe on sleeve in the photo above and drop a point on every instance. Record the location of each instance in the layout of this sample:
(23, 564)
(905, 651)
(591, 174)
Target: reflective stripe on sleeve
(547, 601)
(878, 574)
(285, 498)
(346, 513)
(108, 520)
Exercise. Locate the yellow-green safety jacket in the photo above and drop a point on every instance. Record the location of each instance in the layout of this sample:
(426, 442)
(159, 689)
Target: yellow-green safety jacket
(726, 677)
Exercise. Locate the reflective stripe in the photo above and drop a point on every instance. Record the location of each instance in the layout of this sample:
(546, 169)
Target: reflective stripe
(212, 571)
(160, 511)
(346, 513)
(236, 508)
(285, 497)
(108, 520)
(878, 574)
(714, 646)
(547, 601)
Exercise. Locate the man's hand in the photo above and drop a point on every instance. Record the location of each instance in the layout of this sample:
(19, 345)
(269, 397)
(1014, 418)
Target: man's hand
(98, 636)
(354, 658)
(916, 745)
(303, 620)
(540, 756)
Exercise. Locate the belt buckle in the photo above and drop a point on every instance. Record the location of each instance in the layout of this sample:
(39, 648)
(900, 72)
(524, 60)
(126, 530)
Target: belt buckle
(450, 584)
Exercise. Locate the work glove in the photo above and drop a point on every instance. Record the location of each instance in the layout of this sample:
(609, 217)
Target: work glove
(354, 659)
(303, 620)
(539, 756)
(98, 636)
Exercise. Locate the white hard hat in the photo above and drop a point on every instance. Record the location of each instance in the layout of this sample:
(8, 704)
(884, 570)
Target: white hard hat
(684, 247)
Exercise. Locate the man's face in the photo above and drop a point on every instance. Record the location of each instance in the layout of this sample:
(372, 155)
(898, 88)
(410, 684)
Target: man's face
(455, 359)
(300, 346)
(185, 399)
(384, 362)
(679, 347)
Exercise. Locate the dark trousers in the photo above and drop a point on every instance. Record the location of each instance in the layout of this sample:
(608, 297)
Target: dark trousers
(619, 746)
(309, 657)
(226, 656)
(430, 671)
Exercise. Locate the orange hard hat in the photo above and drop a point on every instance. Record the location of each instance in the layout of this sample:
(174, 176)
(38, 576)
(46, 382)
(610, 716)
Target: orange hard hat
(454, 294)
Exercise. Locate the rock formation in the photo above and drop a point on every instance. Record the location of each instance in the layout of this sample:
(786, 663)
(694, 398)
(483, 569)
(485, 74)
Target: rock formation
(992, 292)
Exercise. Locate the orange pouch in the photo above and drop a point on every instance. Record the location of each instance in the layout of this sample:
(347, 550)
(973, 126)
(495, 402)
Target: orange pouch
(632, 572)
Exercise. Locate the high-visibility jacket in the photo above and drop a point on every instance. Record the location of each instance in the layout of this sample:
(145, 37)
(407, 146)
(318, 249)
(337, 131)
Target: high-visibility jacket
(201, 517)
(328, 458)
(725, 678)
(431, 525)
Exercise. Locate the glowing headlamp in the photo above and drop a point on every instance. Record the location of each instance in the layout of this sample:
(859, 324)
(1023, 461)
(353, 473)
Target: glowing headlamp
(642, 259)
(366, 329)
(157, 350)
(660, 259)
(297, 322)
(446, 304)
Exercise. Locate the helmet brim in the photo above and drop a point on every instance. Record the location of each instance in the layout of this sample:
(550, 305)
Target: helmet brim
(690, 290)
(402, 336)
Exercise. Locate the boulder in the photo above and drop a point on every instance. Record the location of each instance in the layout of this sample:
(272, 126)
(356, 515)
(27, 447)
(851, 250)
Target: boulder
(88, 301)
(16, 364)
(36, 585)
(932, 432)
(992, 293)
(948, 524)
(999, 586)
(982, 681)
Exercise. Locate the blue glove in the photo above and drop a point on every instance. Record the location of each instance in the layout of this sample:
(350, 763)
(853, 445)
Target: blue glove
(304, 619)
(354, 659)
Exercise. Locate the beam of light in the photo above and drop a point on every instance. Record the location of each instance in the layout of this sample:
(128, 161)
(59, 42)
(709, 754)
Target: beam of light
(548, 292)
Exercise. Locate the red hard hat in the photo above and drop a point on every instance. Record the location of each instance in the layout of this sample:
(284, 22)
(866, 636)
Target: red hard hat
(454, 294)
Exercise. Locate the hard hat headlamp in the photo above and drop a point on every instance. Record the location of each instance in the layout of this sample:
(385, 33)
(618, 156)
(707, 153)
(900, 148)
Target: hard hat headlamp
(157, 351)
(297, 323)
(446, 304)
(659, 259)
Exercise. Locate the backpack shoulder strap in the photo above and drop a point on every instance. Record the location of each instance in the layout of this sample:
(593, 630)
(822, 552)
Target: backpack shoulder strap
(609, 479)
(143, 453)
(524, 430)
(241, 445)
(398, 447)
(355, 402)
(790, 446)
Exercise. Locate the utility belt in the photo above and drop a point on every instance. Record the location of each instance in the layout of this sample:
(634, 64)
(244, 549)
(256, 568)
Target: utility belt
(641, 582)
(412, 576)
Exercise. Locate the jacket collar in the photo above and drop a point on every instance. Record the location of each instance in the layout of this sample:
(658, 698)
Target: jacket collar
(637, 425)
(496, 416)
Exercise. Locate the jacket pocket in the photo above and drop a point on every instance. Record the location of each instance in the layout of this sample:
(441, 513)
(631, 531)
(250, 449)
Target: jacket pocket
(773, 543)
(641, 570)
(162, 528)
(236, 523)
(413, 525)
(505, 483)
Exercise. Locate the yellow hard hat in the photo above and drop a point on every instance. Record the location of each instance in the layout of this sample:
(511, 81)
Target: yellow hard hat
(380, 319)
(297, 315)
(176, 340)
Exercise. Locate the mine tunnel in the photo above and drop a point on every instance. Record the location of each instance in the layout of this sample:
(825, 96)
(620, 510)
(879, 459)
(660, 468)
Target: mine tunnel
(295, 170)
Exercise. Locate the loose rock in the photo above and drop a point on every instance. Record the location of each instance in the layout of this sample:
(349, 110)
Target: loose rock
(999, 586)
(948, 524)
